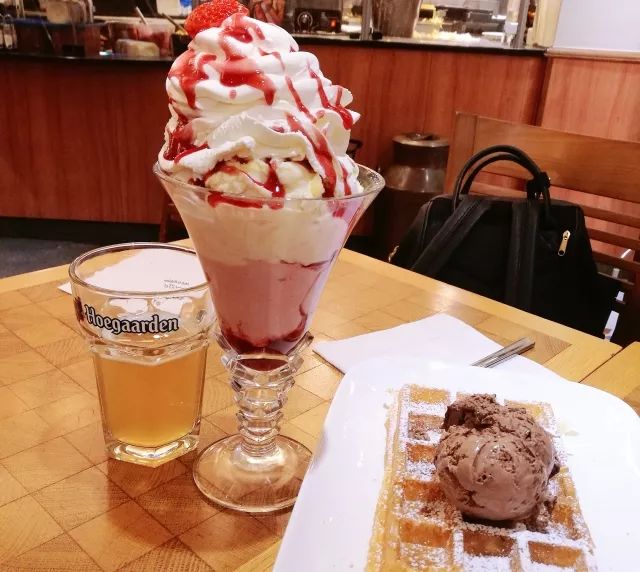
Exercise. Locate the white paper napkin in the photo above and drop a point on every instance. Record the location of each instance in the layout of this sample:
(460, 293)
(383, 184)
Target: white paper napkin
(440, 337)
(150, 270)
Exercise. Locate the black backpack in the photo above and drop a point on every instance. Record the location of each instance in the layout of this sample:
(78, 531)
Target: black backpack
(531, 253)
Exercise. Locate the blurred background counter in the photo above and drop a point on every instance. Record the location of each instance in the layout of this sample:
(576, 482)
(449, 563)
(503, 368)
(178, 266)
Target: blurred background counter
(80, 132)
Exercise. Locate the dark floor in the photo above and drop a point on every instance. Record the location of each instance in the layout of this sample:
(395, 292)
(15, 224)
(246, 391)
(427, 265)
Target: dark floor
(18, 255)
(29, 244)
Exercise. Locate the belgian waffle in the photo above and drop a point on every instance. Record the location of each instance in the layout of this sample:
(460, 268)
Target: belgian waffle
(416, 528)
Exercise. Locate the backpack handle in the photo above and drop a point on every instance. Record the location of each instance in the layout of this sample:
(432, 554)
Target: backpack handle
(537, 186)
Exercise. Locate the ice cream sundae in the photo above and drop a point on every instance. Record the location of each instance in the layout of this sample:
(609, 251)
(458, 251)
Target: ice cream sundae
(257, 133)
(255, 161)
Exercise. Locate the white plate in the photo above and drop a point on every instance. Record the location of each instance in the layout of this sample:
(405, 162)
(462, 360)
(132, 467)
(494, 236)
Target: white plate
(332, 519)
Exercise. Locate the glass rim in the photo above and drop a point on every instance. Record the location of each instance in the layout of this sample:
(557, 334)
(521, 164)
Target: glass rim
(75, 279)
(166, 177)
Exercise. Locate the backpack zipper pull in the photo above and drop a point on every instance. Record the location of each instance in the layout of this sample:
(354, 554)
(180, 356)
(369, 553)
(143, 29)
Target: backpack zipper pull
(566, 235)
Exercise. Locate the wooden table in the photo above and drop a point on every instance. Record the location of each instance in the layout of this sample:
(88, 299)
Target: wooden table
(65, 505)
(620, 376)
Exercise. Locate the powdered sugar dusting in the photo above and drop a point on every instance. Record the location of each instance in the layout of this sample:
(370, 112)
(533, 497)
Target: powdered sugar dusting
(486, 563)
(423, 531)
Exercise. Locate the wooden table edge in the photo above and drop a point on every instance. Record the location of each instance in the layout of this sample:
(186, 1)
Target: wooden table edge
(383, 268)
(35, 278)
(619, 376)
(600, 350)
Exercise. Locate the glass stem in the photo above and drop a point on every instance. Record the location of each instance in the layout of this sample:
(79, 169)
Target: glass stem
(260, 401)
(261, 383)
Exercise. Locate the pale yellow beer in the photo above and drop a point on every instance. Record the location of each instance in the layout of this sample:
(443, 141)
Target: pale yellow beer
(151, 403)
(146, 312)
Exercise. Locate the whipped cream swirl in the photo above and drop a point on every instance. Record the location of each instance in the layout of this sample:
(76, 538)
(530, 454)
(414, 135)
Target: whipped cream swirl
(253, 116)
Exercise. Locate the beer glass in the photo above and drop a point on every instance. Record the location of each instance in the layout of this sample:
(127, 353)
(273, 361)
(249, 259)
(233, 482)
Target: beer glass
(146, 311)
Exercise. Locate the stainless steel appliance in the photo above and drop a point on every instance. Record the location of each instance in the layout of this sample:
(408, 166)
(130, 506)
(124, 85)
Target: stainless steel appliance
(306, 16)
(306, 20)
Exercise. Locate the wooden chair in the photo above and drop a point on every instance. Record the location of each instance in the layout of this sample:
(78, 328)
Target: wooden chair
(602, 175)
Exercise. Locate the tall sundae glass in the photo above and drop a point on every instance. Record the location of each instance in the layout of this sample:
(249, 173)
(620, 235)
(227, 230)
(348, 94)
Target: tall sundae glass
(255, 161)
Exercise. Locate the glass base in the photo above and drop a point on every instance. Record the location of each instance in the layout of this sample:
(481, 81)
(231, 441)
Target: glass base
(152, 456)
(231, 477)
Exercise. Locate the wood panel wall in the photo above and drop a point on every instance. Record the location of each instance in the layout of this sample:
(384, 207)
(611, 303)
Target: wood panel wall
(397, 91)
(78, 139)
(596, 96)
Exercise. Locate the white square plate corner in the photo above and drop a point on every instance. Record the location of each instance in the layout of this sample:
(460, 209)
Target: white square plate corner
(331, 523)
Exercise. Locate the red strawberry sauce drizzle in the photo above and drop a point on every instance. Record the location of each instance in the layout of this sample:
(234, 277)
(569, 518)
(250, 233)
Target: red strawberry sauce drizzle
(235, 71)
(271, 184)
(294, 92)
(239, 70)
(189, 72)
(345, 179)
(323, 154)
(347, 119)
(181, 141)
(189, 151)
(296, 97)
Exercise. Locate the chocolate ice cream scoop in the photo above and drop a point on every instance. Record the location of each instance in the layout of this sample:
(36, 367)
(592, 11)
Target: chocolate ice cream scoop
(471, 411)
(493, 461)
(481, 411)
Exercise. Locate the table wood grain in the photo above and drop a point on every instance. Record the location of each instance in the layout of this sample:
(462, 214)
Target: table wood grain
(65, 506)
(620, 376)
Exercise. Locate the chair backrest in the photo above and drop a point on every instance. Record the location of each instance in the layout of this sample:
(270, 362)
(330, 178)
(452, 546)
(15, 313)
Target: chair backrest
(602, 175)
